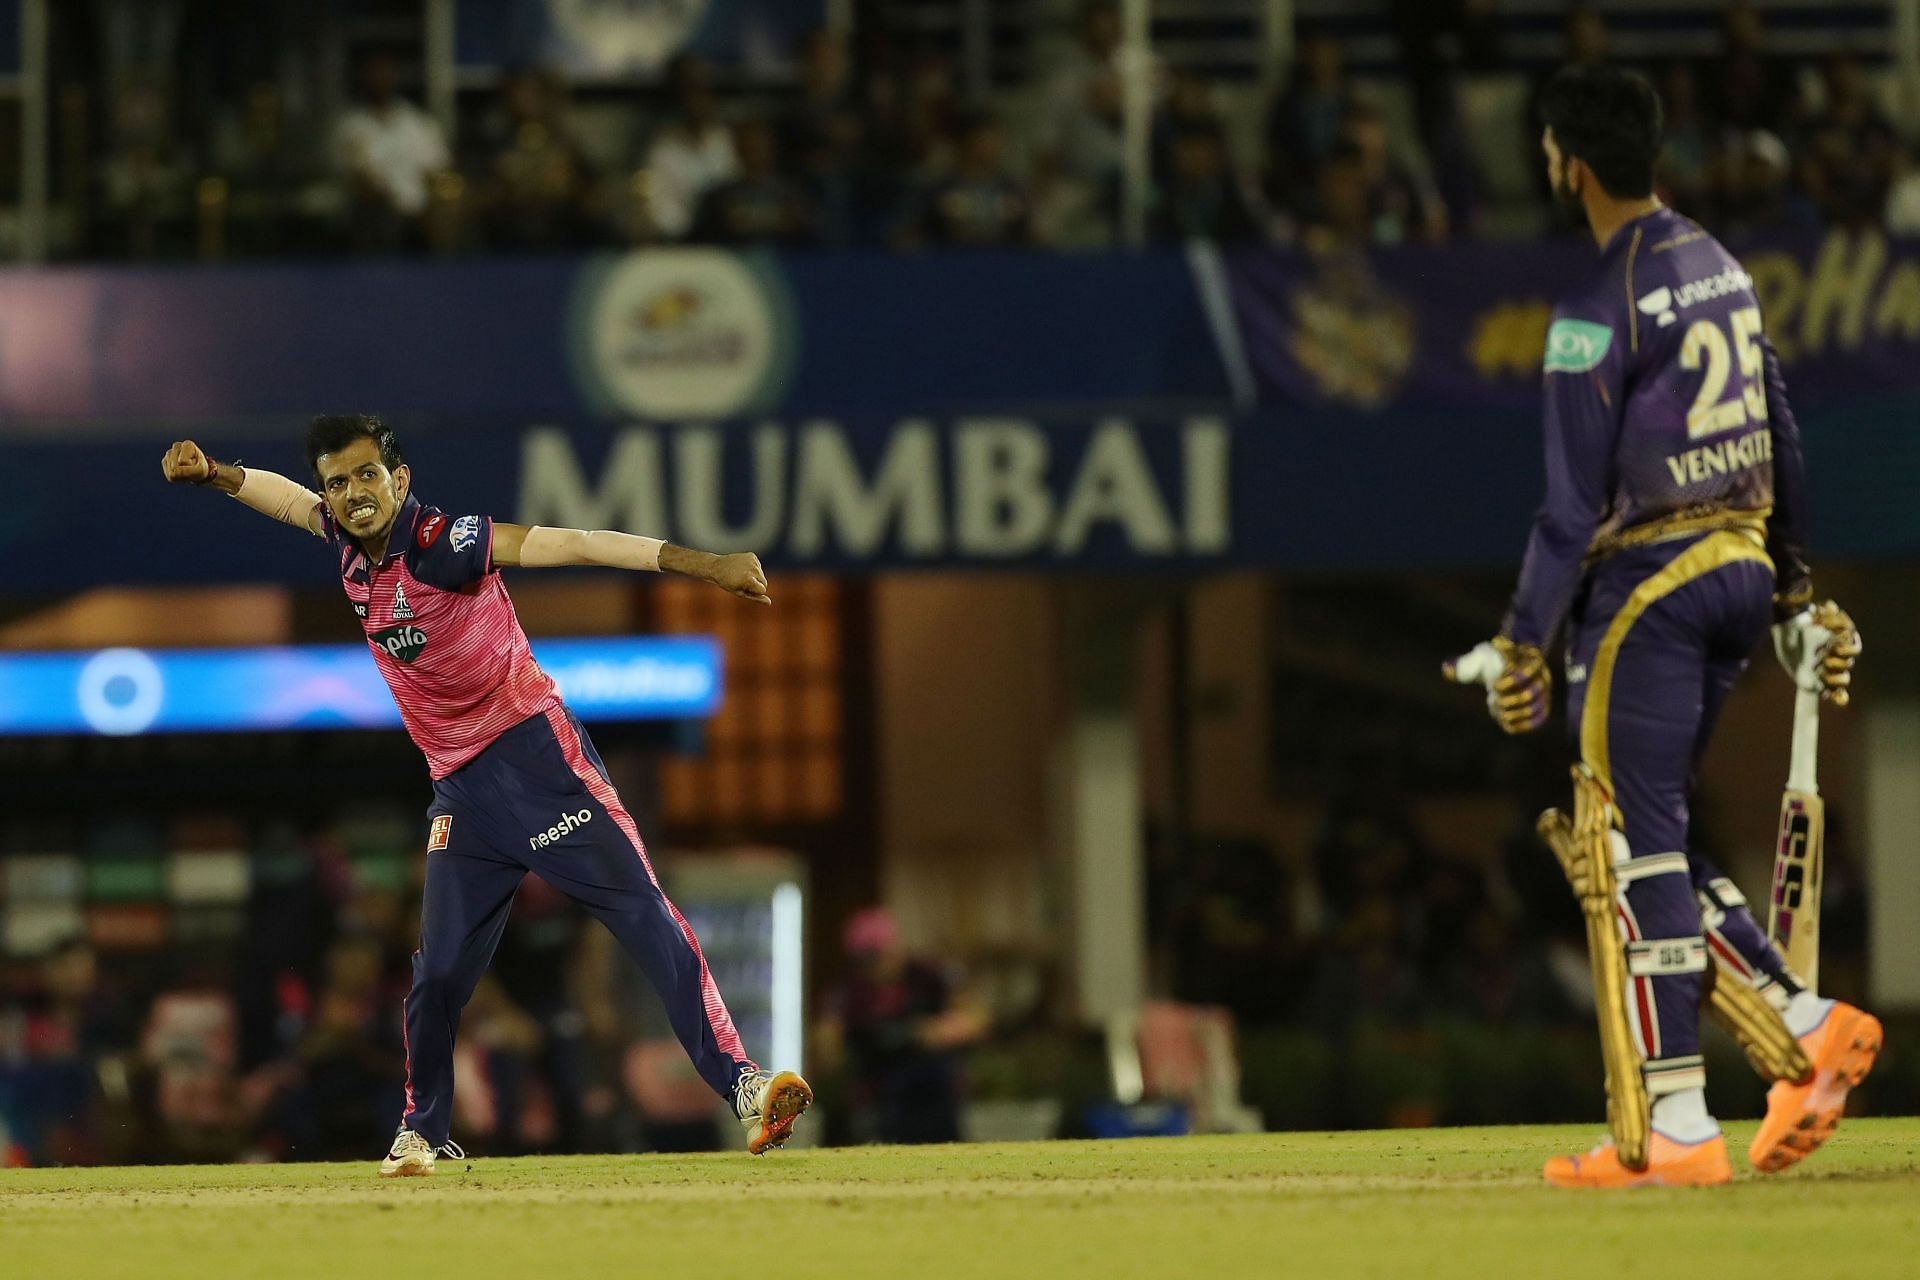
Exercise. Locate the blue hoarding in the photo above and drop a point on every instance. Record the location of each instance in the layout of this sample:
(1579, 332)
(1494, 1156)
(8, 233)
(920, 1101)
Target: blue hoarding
(852, 412)
(128, 691)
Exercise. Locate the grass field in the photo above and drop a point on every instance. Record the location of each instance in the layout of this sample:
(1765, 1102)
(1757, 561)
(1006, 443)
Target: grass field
(1450, 1202)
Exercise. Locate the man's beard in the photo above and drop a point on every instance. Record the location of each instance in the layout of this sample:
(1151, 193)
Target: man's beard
(1568, 201)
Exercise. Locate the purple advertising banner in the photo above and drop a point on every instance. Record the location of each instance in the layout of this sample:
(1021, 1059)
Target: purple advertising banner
(1465, 328)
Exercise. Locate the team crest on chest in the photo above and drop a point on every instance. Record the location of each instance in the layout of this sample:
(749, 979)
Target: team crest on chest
(401, 609)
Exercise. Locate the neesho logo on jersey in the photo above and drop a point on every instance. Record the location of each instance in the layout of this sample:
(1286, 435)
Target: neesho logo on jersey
(565, 827)
(403, 644)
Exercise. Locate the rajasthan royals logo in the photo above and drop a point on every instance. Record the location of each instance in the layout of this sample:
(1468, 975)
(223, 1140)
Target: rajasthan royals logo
(466, 531)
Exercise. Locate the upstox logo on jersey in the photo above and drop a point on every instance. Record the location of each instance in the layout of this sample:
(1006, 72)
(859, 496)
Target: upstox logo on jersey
(400, 643)
(565, 827)
(1575, 346)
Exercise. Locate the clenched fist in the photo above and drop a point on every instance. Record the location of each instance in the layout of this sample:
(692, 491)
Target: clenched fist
(185, 463)
(741, 574)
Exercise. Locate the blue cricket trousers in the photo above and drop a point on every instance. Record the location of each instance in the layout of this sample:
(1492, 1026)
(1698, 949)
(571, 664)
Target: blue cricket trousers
(538, 800)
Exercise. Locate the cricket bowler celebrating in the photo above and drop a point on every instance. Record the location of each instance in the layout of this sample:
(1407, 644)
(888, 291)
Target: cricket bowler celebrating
(517, 785)
(1672, 535)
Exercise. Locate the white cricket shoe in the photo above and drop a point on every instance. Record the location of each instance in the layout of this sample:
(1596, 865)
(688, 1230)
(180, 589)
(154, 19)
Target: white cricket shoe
(768, 1104)
(412, 1157)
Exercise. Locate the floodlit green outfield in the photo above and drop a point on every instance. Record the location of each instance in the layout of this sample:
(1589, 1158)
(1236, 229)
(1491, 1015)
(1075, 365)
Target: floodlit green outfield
(1459, 1202)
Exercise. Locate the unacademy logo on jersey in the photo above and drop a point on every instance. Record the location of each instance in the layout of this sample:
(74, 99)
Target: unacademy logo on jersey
(1667, 303)
(403, 644)
(568, 823)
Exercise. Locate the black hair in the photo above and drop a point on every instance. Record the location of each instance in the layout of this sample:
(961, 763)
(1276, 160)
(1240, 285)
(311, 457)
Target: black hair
(332, 432)
(1610, 119)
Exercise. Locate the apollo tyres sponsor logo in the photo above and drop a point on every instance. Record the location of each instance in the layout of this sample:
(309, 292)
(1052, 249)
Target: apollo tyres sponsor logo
(672, 334)
(568, 824)
(1667, 302)
(402, 644)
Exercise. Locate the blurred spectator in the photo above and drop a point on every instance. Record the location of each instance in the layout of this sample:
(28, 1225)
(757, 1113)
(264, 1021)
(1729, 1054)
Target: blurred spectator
(1585, 42)
(350, 1057)
(1903, 195)
(1304, 125)
(897, 1025)
(1486, 976)
(145, 179)
(823, 142)
(1081, 126)
(1366, 976)
(538, 189)
(1232, 931)
(1397, 205)
(1189, 106)
(1758, 194)
(691, 154)
(759, 206)
(1749, 89)
(1589, 43)
(1854, 147)
(83, 1019)
(388, 150)
(1201, 197)
(1437, 39)
(270, 165)
(1687, 160)
(981, 203)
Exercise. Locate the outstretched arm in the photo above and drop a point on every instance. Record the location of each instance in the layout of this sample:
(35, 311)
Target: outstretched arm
(540, 548)
(269, 494)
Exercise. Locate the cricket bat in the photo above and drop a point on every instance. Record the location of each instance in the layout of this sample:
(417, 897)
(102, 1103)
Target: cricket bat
(1793, 919)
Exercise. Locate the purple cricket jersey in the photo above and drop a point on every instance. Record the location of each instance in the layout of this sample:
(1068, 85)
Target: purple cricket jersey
(1665, 410)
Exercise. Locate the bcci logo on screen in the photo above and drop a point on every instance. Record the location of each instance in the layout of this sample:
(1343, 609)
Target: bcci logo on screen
(681, 334)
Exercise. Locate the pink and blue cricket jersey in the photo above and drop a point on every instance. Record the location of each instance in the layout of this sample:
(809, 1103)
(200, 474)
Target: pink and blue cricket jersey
(517, 787)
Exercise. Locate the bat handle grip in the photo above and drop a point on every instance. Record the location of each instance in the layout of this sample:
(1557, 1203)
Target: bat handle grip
(1802, 764)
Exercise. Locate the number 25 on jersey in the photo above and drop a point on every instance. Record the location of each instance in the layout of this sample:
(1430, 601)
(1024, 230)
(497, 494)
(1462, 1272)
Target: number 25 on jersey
(1706, 342)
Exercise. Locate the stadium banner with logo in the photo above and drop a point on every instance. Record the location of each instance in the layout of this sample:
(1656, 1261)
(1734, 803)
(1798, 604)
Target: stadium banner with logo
(1466, 327)
(1071, 413)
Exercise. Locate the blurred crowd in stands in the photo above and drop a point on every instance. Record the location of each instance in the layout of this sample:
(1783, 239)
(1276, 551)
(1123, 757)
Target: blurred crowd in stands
(876, 143)
(259, 1016)
(275, 1033)
(1385, 929)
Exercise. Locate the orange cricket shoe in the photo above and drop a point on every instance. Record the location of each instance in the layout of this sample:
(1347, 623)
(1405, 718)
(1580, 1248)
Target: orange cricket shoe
(1801, 1116)
(1669, 1164)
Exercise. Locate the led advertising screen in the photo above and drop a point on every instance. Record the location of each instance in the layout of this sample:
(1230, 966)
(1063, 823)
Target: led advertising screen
(130, 691)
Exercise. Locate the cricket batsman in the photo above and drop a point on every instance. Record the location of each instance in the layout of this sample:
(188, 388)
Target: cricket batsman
(517, 785)
(1673, 535)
